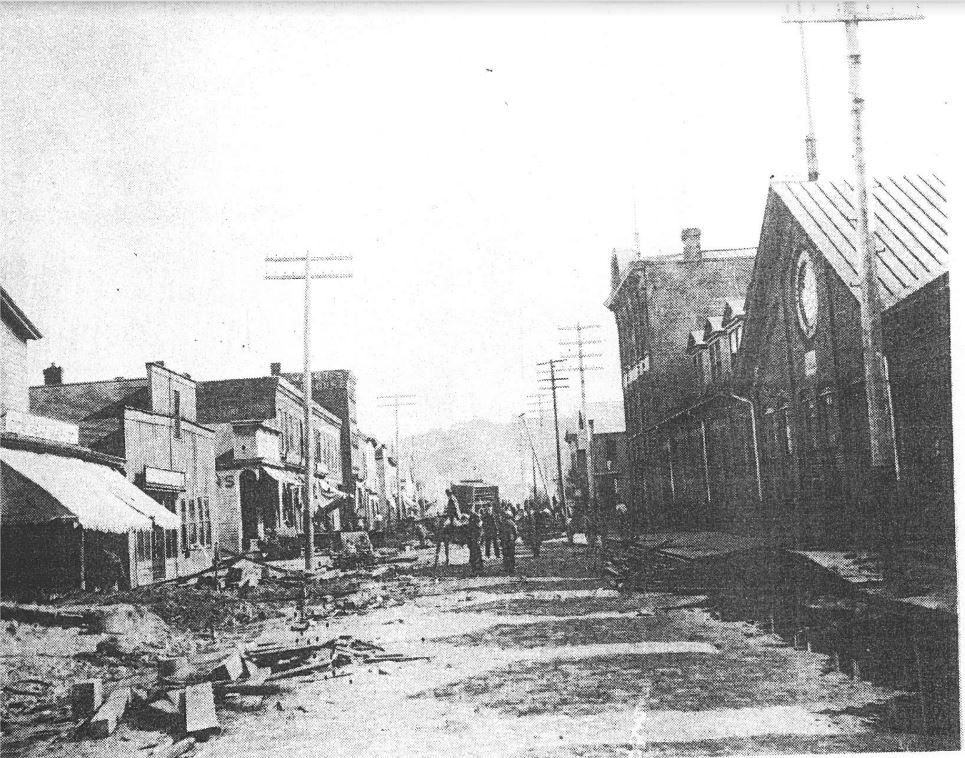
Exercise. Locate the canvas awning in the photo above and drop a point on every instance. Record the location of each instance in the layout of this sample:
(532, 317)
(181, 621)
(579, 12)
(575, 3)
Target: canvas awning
(327, 494)
(285, 477)
(41, 487)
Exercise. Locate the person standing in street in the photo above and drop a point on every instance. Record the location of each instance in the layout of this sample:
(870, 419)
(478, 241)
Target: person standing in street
(490, 529)
(507, 536)
(474, 538)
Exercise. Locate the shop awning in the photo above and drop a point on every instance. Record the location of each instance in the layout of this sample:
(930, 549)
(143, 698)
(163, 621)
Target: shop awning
(285, 477)
(41, 487)
(327, 495)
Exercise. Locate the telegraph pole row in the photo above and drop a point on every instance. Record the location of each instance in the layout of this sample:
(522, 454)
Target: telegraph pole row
(581, 355)
(397, 401)
(309, 451)
(554, 386)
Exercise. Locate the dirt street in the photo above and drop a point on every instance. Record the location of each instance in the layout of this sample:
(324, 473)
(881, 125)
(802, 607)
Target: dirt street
(555, 663)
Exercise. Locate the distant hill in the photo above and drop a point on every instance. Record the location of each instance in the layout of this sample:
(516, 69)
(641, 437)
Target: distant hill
(494, 451)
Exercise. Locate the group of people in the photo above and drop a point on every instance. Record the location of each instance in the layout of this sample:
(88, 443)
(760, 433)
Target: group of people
(495, 528)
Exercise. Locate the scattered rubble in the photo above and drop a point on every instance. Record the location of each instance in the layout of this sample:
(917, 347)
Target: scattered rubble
(168, 656)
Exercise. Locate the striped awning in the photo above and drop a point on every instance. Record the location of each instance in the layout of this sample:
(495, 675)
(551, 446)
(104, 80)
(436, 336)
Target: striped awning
(41, 488)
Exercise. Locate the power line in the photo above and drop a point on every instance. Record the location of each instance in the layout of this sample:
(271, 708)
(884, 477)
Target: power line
(398, 401)
(581, 355)
(554, 385)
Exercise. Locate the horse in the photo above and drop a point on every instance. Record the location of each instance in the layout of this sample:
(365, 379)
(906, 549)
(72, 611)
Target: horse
(446, 532)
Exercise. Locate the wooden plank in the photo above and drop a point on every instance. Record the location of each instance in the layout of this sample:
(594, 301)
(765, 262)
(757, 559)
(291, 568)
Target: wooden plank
(199, 713)
(110, 713)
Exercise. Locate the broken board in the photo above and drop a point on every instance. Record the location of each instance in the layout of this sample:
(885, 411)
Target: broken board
(198, 708)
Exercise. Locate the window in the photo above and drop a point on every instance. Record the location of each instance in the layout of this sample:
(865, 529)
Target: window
(192, 523)
(204, 508)
(177, 414)
(699, 367)
(716, 367)
(183, 510)
(735, 339)
(783, 432)
(828, 422)
(171, 543)
(142, 547)
(808, 418)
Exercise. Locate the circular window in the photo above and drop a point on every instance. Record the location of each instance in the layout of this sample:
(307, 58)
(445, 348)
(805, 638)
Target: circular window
(806, 293)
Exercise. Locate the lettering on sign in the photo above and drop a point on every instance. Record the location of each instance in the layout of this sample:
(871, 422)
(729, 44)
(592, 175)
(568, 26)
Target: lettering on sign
(38, 427)
(163, 478)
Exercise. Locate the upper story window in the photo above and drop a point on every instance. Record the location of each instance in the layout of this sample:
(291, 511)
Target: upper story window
(716, 361)
(177, 414)
(735, 339)
(806, 294)
(699, 367)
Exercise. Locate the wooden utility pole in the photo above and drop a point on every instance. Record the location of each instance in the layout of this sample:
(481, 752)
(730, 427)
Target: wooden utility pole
(581, 357)
(875, 372)
(309, 441)
(536, 406)
(396, 402)
(554, 385)
(536, 465)
(810, 141)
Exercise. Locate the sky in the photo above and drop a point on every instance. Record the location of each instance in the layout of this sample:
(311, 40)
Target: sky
(478, 161)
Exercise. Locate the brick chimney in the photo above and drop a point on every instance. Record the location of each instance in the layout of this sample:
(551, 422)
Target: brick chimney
(53, 375)
(691, 239)
(276, 369)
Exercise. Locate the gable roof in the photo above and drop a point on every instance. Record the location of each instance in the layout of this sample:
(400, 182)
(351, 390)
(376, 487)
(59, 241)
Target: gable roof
(909, 219)
(16, 318)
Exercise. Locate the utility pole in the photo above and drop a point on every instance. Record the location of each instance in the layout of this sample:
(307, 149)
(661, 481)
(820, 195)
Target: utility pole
(396, 402)
(536, 466)
(554, 385)
(309, 451)
(810, 141)
(875, 372)
(536, 406)
(580, 342)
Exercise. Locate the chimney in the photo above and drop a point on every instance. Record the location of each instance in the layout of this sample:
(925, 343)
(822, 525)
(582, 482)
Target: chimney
(276, 369)
(691, 239)
(53, 375)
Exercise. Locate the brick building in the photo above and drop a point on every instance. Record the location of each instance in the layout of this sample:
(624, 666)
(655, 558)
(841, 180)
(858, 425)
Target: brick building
(261, 446)
(657, 302)
(334, 390)
(775, 439)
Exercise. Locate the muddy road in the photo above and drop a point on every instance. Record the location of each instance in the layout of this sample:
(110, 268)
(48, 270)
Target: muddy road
(553, 662)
